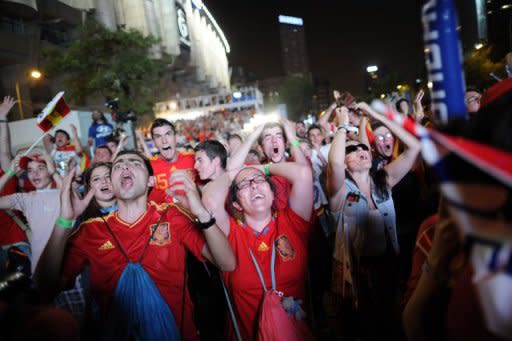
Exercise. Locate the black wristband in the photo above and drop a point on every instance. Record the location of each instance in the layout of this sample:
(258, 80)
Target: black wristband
(205, 225)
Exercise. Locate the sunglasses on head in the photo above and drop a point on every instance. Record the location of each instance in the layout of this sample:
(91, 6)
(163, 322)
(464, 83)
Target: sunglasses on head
(355, 147)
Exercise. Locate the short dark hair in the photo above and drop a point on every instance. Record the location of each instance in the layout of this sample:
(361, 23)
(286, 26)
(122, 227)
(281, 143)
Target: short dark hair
(313, 126)
(63, 132)
(161, 122)
(214, 148)
(233, 189)
(104, 146)
(147, 163)
(397, 104)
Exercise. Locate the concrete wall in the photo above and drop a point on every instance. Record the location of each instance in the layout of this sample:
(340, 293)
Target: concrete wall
(26, 132)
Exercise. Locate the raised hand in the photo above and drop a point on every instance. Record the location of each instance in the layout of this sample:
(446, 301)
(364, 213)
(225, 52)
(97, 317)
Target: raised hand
(289, 129)
(71, 206)
(6, 106)
(184, 189)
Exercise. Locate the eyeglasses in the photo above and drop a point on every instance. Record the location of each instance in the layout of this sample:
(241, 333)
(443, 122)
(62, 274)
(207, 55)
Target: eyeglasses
(385, 136)
(474, 99)
(245, 183)
(355, 147)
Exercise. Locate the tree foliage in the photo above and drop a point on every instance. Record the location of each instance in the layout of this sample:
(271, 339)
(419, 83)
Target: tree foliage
(296, 93)
(109, 64)
(478, 66)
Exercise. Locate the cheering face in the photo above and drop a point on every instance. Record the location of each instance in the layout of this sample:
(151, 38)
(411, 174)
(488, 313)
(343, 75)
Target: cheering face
(101, 155)
(37, 173)
(357, 157)
(204, 166)
(61, 140)
(316, 137)
(130, 177)
(273, 144)
(300, 130)
(101, 184)
(384, 141)
(254, 194)
(165, 141)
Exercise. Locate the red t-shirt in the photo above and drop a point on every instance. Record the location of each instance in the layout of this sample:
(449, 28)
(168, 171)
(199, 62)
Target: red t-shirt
(163, 169)
(290, 233)
(11, 232)
(164, 259)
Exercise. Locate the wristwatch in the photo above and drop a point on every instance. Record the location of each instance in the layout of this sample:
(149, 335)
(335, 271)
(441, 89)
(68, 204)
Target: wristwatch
(349, 128)
(205, 225)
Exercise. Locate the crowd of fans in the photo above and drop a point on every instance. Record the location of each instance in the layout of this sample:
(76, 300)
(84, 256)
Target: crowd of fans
(192, 241)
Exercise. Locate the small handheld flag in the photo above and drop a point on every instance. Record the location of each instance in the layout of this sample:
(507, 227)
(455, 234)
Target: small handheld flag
(53, 113)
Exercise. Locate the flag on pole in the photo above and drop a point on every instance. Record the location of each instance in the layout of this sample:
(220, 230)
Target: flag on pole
(53, 113)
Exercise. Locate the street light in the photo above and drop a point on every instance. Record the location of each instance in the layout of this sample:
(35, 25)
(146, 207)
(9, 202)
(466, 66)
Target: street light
(35, 74)
(372, 68)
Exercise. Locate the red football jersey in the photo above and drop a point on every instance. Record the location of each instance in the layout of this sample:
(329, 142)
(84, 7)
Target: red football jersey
(164, 259)
(11, 231)
(289, 233)
(163, 169)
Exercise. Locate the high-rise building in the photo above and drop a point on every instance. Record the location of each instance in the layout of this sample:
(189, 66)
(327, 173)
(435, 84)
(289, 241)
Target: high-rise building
(293, 46)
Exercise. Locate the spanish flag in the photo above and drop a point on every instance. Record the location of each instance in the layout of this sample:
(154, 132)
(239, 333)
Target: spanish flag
(53, 113)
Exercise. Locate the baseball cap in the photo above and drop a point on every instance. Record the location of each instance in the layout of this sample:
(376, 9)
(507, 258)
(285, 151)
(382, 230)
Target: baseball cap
(34, 157)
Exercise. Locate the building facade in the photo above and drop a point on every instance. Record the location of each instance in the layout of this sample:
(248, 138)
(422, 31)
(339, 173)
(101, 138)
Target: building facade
(186, 29)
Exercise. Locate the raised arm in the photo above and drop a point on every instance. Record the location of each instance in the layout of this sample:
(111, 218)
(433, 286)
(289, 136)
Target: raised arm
(291, 136)
(336, 164)
(418, 107)
(323, 120)
(76, 140)
(301, 179)
(236, 161)
(50, 164)
(143, 145)
(5, 203)
(363, 134)
(399, 167)
(214, 198)
(217, 250)
(48, 144)
(5, 138)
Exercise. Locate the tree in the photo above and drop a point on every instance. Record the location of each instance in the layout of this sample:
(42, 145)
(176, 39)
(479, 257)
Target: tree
(108, 63)
(478, 66)
(296, 93)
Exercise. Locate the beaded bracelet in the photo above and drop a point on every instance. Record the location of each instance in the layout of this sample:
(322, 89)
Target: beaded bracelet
(64, 223)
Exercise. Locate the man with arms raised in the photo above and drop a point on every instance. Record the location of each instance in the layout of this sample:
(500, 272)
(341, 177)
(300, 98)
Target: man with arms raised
(153, 236)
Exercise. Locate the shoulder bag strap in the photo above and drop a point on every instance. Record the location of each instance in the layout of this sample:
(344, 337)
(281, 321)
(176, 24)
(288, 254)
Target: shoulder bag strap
(272, 266)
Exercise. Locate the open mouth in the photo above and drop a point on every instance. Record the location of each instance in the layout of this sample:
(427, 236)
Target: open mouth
(275, 150)
(105, 189)
(126, 180)
(257, 196)
(166, 147)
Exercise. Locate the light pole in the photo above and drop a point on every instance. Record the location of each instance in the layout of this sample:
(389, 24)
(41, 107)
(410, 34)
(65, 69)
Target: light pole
(34, 74)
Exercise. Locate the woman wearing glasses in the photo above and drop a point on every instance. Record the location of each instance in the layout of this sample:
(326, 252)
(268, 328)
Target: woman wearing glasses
(256, 231)
(367, 243)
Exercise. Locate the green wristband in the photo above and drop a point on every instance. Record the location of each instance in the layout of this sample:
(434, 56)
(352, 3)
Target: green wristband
(64, 223)
(295, 143)
(266, 169)
(10, 173)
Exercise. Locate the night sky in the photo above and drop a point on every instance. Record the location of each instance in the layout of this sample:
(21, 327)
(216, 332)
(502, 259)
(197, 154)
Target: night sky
(342, 37)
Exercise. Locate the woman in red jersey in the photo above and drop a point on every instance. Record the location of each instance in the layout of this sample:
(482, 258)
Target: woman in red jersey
(254, 226)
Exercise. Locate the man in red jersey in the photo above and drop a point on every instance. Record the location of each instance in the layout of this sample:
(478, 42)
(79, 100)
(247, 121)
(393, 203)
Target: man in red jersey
(107, 243)
(168, 158)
